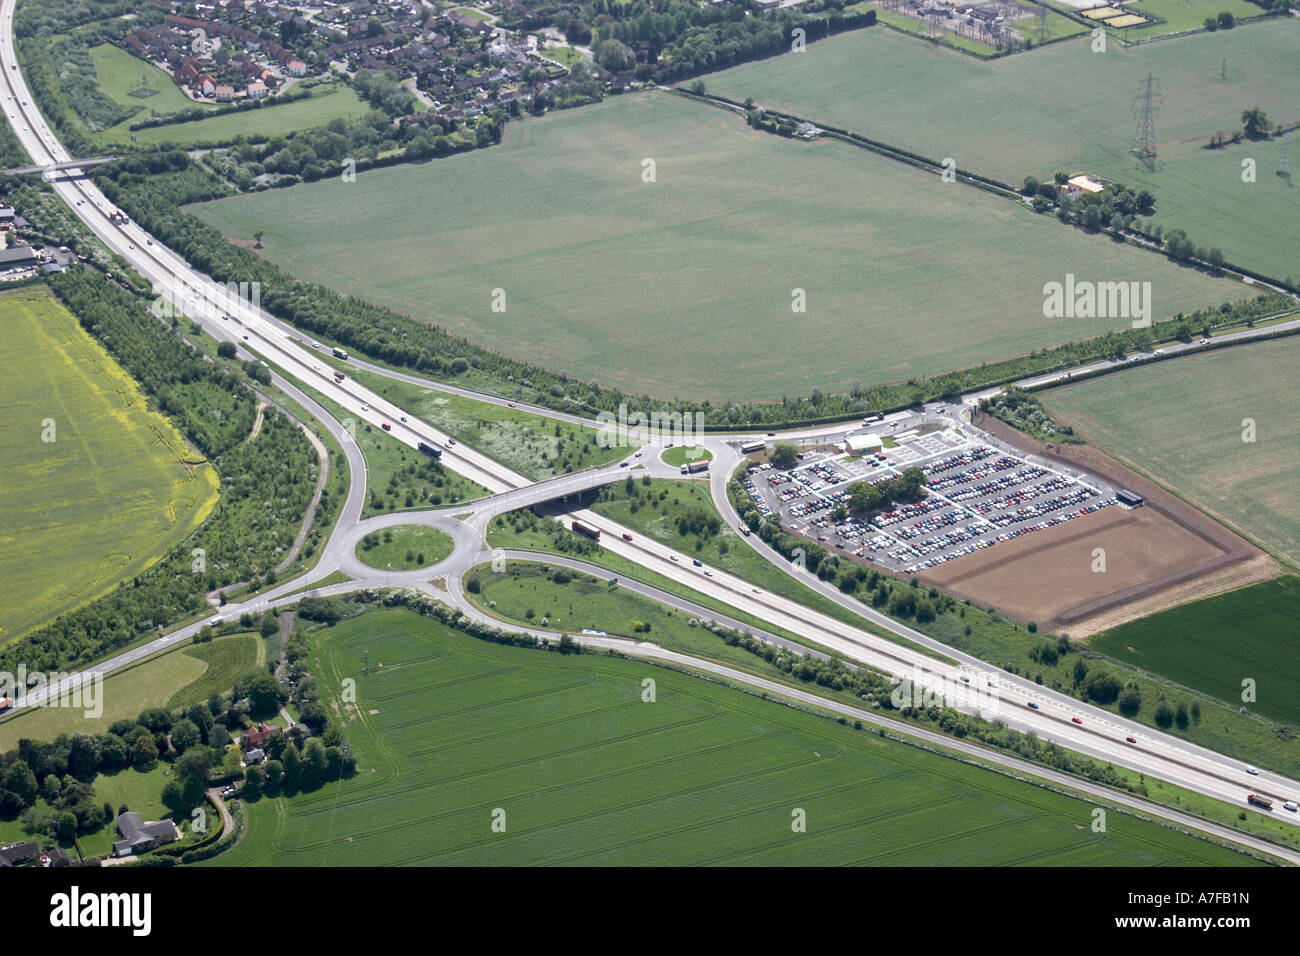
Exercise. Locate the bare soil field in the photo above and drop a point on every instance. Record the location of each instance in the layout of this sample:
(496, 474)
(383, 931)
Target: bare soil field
(1158, 555)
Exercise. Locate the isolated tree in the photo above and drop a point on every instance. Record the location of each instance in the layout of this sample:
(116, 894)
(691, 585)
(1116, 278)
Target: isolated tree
(784, 454)
(257, 237)
(226, 350)
(1164, 714)
(1255, 121)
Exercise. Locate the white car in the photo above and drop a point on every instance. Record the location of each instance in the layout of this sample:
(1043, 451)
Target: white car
(365, 408)
(1252, 771)
(1290, 805)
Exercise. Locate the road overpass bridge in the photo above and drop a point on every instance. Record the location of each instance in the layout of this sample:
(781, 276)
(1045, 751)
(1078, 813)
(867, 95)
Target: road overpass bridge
(63, 166)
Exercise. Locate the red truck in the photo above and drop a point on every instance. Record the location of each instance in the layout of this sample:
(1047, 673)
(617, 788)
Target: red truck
(580, 528)
(1259, 801)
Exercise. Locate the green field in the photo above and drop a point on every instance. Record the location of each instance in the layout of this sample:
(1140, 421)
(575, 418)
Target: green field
(681, 454)
(533, 445)
(874, 245)
(176, 679)
(448, 730)
(325, 104)
(566, 55)
(1214, 644)
(406, 547)
(115, 489)
(119, 74)
(1066, 107)
(1182, 422)
(1181, 15)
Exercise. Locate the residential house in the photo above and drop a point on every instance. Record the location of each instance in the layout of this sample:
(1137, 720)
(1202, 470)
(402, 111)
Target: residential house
(255, 736)
(138, 836)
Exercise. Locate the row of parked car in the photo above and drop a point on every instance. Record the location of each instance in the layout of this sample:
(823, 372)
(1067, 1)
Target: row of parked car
(982, 470)
(1017, 477)
(1021, 495)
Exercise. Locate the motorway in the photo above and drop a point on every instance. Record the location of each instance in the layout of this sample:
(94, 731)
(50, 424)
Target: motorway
(1077, 726)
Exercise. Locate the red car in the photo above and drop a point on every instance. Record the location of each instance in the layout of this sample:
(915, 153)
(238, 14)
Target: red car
(627, 537)
(1131, 740)
(512, 404)
(1076, 720)
(387, 427)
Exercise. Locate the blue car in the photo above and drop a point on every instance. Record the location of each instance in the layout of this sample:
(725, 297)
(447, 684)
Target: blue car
(1032, 705)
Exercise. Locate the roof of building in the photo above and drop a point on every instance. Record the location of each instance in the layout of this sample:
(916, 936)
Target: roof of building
(1087, 184)
(18, 255)
(17, 853)
(860, 440)
(135, 832)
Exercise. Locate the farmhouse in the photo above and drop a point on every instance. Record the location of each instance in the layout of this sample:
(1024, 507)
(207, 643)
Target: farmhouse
(1078, 185)
(138, 836)
(254, 736)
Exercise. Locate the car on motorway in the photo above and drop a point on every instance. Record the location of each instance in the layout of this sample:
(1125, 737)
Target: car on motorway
(365, 407)
(511, 404)
(1291, 805)
(673, 556)
(1252, 771)
(245, 338)
(708, 573)
(215, 621)
(386, 427)
(697, 562)
(451, 441)
(1076, 720)
(626, 536)
(1032, 705)
(622, 464)
(1131, 740)
(757, 590)
(403, 418)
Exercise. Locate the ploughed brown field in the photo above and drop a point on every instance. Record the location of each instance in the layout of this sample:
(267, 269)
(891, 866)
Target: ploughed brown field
(1158, 555)
(1047, 576)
